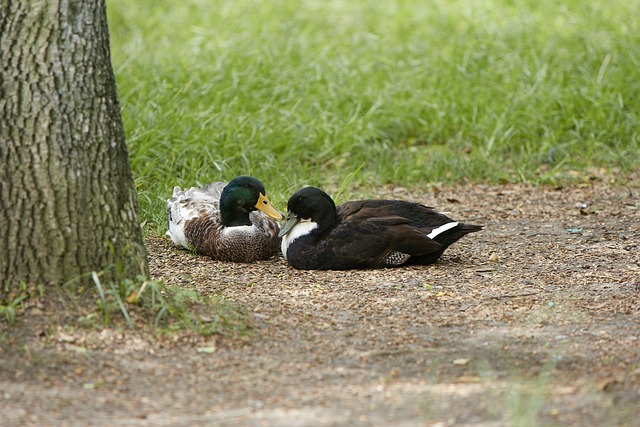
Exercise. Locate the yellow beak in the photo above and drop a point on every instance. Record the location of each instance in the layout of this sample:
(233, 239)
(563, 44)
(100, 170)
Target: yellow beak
(265, 206)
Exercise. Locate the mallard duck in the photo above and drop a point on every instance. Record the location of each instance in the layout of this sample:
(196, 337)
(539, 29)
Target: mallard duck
(364, 233)
(222, 220)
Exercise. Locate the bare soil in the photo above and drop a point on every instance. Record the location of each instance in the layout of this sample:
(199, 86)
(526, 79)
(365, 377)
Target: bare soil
(533, 321)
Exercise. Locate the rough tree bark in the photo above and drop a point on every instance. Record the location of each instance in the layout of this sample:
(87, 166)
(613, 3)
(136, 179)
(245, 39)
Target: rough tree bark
(67, 198)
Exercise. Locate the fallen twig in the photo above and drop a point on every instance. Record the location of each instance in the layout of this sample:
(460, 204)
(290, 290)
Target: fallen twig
(512, 295)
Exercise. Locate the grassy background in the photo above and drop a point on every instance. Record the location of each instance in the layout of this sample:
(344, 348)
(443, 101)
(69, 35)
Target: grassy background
(330, 92)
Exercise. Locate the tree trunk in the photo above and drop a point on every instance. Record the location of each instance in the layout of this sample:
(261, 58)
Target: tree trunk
(68, 201)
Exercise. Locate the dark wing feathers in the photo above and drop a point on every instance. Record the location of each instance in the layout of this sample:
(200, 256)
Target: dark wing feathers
(366, 242)
(376, 228)
(418, 214)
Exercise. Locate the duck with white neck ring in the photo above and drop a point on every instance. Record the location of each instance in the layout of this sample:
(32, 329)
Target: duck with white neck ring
(365, 233)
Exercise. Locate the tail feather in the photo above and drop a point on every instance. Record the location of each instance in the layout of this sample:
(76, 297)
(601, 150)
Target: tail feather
(449, 236)
(442, 229)
(446, 235)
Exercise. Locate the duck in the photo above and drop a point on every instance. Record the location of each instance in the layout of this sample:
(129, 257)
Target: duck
(227, 222)
(364, 234)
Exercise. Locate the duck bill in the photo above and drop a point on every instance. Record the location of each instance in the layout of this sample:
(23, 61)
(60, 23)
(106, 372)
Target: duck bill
(265, 206)
(289, 223)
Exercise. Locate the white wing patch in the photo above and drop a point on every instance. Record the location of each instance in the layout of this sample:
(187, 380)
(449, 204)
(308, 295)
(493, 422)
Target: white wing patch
(441, 229)
(302, 228)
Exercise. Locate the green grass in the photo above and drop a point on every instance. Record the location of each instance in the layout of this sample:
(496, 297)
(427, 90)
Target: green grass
(410, 92)
(12, 296)
(142, 302)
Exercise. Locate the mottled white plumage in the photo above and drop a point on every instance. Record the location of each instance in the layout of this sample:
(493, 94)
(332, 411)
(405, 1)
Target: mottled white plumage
(189, 204)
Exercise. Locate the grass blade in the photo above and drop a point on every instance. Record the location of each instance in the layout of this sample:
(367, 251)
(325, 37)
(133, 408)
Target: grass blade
(123, 309)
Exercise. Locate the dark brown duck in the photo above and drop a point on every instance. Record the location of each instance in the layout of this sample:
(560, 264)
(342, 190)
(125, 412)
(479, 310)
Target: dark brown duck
(364, 233)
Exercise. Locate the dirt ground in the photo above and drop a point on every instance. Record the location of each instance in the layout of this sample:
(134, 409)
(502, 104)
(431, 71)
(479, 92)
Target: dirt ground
(533, 321)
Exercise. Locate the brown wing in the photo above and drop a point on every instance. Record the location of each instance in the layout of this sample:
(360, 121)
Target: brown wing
(418, 215)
